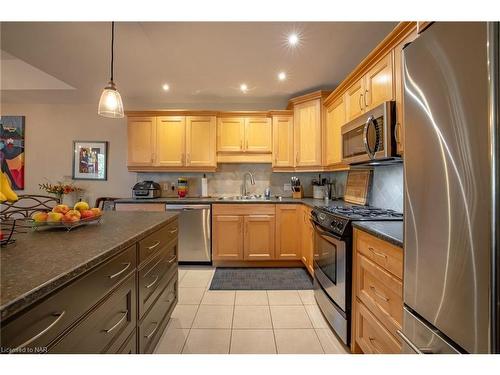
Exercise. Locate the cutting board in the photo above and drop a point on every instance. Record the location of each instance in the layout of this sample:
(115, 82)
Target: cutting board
(358, 183)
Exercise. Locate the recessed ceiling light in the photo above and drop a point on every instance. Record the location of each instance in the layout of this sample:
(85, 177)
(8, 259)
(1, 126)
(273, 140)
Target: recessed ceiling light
(293, 39)
(281, 76)
(243, 88)
(165, 87)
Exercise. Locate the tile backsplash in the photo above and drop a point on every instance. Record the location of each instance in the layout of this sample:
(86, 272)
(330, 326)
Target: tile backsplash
(386, 191)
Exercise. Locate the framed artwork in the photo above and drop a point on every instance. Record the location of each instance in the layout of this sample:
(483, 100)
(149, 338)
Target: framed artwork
(12, 149)
(90, 160)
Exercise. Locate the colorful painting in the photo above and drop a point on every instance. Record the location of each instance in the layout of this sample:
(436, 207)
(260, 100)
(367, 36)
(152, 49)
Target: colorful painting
(90, 160)
(12, 149)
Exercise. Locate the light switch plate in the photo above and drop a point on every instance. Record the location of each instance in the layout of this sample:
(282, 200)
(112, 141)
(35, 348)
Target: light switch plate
(165, 186)
(287, 187)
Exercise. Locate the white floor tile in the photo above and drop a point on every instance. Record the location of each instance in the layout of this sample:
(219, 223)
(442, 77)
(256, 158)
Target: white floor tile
(283, 297)
(191, 296)
(195, 279)
(209, 316)
(307, 297)
(317, 318)
(290, 317)
(330, 342)
(250, 341)
(172, 341)
(251, 298)
(252, 317)
(183, 316)
(297, 341)
(218, 297)
(208, 341)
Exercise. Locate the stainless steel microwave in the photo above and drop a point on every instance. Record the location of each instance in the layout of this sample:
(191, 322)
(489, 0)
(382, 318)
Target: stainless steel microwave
(370, 138)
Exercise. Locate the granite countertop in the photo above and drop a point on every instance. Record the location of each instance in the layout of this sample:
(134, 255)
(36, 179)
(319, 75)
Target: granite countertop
(42, 261)
(311, 202)
(390, 231)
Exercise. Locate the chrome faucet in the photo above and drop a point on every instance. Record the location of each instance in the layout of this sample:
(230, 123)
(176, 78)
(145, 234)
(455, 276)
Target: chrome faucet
(244, 187)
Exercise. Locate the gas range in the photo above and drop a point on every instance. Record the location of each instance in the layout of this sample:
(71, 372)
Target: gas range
(337, 218)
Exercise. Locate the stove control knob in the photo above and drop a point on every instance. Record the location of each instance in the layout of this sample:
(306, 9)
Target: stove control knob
(340, 225)
(321, 216)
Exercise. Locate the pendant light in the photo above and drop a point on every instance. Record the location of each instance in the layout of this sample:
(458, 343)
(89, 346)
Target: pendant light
(110, 104)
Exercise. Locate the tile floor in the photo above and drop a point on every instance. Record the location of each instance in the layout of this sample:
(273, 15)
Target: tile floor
(244, 322)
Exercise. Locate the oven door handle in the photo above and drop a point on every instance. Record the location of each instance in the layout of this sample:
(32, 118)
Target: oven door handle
(322, 231)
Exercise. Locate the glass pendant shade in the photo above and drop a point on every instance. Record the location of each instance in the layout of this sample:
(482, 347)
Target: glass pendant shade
(110, 104)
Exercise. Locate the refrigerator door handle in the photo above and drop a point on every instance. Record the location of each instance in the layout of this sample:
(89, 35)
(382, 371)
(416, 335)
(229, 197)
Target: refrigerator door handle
(415, 348)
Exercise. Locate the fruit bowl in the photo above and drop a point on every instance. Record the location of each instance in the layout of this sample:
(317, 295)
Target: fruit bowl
(62, 216)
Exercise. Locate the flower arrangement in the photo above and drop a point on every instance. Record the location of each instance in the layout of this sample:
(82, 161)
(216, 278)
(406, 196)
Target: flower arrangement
(59, 189)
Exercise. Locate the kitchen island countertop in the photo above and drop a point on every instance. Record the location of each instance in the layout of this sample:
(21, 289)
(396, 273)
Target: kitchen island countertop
(42, 261)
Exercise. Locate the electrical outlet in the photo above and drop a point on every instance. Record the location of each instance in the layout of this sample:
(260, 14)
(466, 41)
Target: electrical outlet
(287, 187)
(165, 186)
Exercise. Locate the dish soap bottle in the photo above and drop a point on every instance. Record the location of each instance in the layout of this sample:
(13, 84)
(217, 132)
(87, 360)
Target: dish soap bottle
(204, 186)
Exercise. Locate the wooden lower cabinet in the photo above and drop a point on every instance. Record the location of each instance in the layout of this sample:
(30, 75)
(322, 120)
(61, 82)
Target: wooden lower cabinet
(227, 241)
(377, 295)
(259, 237)
(288, 231)
(307, 240)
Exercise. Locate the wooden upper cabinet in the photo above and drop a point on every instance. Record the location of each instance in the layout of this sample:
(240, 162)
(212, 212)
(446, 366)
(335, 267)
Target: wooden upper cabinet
(170, 141)
(230, 134)
(283, 141)
(227, 234)
(354, 100)
(307, 128)
(259, 237)
(335, 118)
(258, 134)
(200, 141)
(141, 141)
(288, 231)
(379, 86)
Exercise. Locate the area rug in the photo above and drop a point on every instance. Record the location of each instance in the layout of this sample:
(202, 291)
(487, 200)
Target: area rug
(261, 279)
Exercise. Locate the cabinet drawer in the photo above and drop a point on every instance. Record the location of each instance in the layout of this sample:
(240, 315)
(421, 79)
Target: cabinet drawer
(381, 292)
(387, 256)
(113, 320)
(151, 328)
(155, 275)
(371, 336)
(243, 209)
(130, 345)
(40, 325)
(157, 240)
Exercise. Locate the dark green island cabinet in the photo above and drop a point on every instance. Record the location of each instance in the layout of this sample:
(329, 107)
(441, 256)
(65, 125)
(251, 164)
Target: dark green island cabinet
(107, 288)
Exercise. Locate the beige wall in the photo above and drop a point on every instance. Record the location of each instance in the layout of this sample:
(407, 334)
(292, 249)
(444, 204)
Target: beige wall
(50, 132)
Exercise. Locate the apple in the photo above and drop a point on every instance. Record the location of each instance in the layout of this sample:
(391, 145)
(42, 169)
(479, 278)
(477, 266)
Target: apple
(61, 208)
(81, 206)
(54, 217)
(72, 216)
(40, 216)
(96, 211)
(87, 214)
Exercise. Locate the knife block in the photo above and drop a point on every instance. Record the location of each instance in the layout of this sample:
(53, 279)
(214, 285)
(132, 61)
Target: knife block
(298, 192)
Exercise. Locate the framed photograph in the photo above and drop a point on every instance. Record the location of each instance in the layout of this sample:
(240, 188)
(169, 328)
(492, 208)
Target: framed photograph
(90, 160)
(12, 149)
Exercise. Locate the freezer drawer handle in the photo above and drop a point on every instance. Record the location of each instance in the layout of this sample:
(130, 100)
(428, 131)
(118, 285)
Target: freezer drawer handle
(125, 314)
(59, 316)
(412, 345)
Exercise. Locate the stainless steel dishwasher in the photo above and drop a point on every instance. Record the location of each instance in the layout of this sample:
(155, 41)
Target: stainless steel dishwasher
(195, 244)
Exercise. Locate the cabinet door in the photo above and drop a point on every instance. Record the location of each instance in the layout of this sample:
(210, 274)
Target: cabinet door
(170, 141)
(379, 82)
(307, 126)
(230, 134)
(259, 237)
(282, 141)
(307, 239)
(335, 118)
(227, 232)
(399, 87)
(355, 100)
(141, 141)
(258, 133)
(200, 141)
(288, 231)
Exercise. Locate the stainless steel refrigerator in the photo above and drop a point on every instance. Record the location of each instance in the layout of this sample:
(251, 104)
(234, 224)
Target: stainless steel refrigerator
(451, 174)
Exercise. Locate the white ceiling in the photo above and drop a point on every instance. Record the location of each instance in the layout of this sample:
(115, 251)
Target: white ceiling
(203, 62)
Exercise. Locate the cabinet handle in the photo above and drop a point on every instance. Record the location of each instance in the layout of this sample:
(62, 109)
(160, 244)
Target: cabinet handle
(153, 283)
(59, 316)
(377, 253)
(154, 245)
(127, 266)
(125, 314)
(378, 294)
(172, 260)
(359, 101)
(241, 145)
(246, 147)
(148, 336)
(173, 231)
(297, 158)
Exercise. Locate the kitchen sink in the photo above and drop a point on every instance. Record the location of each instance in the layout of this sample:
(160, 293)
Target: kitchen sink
(244, 198)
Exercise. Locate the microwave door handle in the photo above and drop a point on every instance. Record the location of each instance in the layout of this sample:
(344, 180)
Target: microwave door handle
(369, 121)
